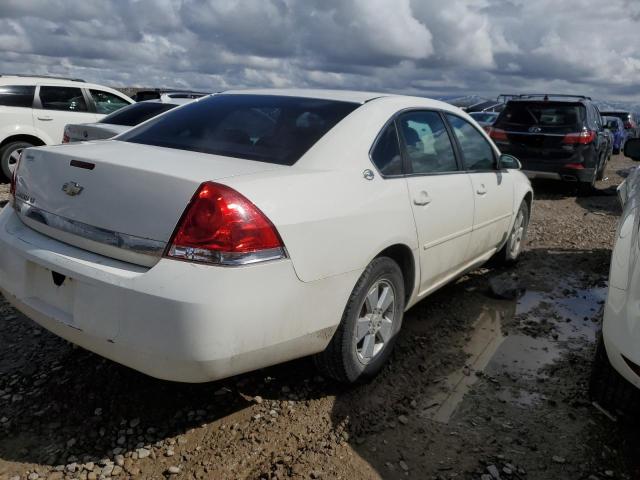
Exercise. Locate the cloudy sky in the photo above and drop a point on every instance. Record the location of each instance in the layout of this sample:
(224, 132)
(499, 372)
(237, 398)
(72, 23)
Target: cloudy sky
(426, 47)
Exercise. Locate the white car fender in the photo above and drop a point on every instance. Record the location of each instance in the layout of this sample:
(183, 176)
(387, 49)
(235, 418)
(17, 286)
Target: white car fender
(15, 130)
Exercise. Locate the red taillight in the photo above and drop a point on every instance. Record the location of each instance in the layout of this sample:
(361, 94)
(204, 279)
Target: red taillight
(497, 134)
(65, 138)
(629, 125)
(574, 166)
(579, 138)
(223, 227)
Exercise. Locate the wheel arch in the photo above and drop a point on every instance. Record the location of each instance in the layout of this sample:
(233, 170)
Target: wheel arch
(404, 257)
(36, 141)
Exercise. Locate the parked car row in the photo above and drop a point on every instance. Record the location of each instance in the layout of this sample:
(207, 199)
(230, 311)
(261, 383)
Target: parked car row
(191, 246)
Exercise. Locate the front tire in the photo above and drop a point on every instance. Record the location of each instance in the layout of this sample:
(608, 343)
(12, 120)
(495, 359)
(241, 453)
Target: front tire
(9, 157)
(512, 249)
(370, 323)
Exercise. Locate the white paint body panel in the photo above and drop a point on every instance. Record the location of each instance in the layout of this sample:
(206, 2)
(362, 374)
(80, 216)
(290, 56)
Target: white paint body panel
(189, 322)
(621, 323)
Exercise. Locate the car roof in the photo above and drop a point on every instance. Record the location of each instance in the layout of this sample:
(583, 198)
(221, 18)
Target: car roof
(35, 80)
(338, 95)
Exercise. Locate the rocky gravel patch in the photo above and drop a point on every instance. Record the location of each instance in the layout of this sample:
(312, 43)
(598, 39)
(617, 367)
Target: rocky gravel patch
(4, 194)
(68, 414)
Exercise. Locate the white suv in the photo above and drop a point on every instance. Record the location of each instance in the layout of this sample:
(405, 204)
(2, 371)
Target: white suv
(35, 110)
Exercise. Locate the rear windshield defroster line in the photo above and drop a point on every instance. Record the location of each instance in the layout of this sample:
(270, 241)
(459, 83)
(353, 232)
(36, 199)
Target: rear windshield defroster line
(267, 128)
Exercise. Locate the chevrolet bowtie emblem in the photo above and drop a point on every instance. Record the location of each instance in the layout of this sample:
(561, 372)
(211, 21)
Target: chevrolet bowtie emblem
(72, 189)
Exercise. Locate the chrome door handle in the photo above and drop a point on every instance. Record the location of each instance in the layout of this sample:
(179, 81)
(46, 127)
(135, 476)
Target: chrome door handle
(482, 190)
(45, 119)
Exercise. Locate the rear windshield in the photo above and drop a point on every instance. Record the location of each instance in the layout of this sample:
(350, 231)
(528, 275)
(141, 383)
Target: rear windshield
(542, 114)
(137, 113)
(266, 128)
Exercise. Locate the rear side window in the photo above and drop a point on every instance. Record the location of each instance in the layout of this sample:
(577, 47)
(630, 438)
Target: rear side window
(553, 115)
(426, 143)
(137, 113)
(267, 128)
(62, 98)
(476, 150)
(17, 95)
(106, 102)
(386, 153)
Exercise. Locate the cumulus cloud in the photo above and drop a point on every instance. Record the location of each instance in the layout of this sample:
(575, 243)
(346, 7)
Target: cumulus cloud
(425, 47)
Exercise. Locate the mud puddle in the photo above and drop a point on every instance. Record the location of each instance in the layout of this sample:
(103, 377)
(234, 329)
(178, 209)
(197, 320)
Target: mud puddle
(517, 340)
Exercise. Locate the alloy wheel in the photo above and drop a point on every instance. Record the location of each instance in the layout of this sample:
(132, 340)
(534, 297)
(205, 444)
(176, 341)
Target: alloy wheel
(517, 235)
(375, 321)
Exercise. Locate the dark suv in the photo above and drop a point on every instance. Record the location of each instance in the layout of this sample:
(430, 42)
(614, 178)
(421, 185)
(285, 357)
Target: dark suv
(560, 137)
(629, 119)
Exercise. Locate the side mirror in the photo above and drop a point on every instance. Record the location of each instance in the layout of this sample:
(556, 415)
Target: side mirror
(632, 149)
(509, 162)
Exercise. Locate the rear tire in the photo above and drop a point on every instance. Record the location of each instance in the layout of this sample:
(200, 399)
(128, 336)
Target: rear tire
(510, 252)
(367, 332)
(8, 157)
(611, 390)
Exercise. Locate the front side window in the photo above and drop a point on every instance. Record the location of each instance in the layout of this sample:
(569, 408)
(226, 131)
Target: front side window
(427, 143)
(62, 98)
(106, 102)
(386, 153)
(476, 150)
(17, 95)
(266, 128)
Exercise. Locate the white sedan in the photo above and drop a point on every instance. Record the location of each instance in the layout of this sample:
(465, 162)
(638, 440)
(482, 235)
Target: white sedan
(254, 227)
(120, 121)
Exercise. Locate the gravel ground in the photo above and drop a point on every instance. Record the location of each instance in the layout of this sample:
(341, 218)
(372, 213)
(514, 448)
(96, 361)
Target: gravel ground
(478, 387)
(4, 194)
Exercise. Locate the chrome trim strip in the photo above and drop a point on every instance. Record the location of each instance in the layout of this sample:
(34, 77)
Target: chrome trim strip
(145, 246)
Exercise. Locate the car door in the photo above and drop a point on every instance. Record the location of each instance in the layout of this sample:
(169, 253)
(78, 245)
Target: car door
(492, 188)
(58, 105)
(440, 195)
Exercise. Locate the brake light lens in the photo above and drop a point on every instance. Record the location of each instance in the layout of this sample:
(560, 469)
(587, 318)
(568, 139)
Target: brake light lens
(579, 138)
(574, 166)
(498, 134)
(65, 137)
(220, 226)
(629, 124)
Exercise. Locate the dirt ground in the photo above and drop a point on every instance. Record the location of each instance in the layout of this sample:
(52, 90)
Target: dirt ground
(478, 388)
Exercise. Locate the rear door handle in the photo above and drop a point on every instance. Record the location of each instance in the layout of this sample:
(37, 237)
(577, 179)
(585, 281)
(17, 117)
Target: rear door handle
(45, 119)
(482, 190)
(422, 199)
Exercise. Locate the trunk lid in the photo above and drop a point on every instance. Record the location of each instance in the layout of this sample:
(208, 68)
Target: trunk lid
(118, 199)
(93, 131)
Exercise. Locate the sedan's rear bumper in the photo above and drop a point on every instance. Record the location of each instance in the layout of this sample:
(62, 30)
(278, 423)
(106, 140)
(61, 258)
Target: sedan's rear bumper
(176, 321)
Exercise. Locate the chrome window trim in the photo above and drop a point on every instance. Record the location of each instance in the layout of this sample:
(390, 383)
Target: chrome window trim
(132, 243)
